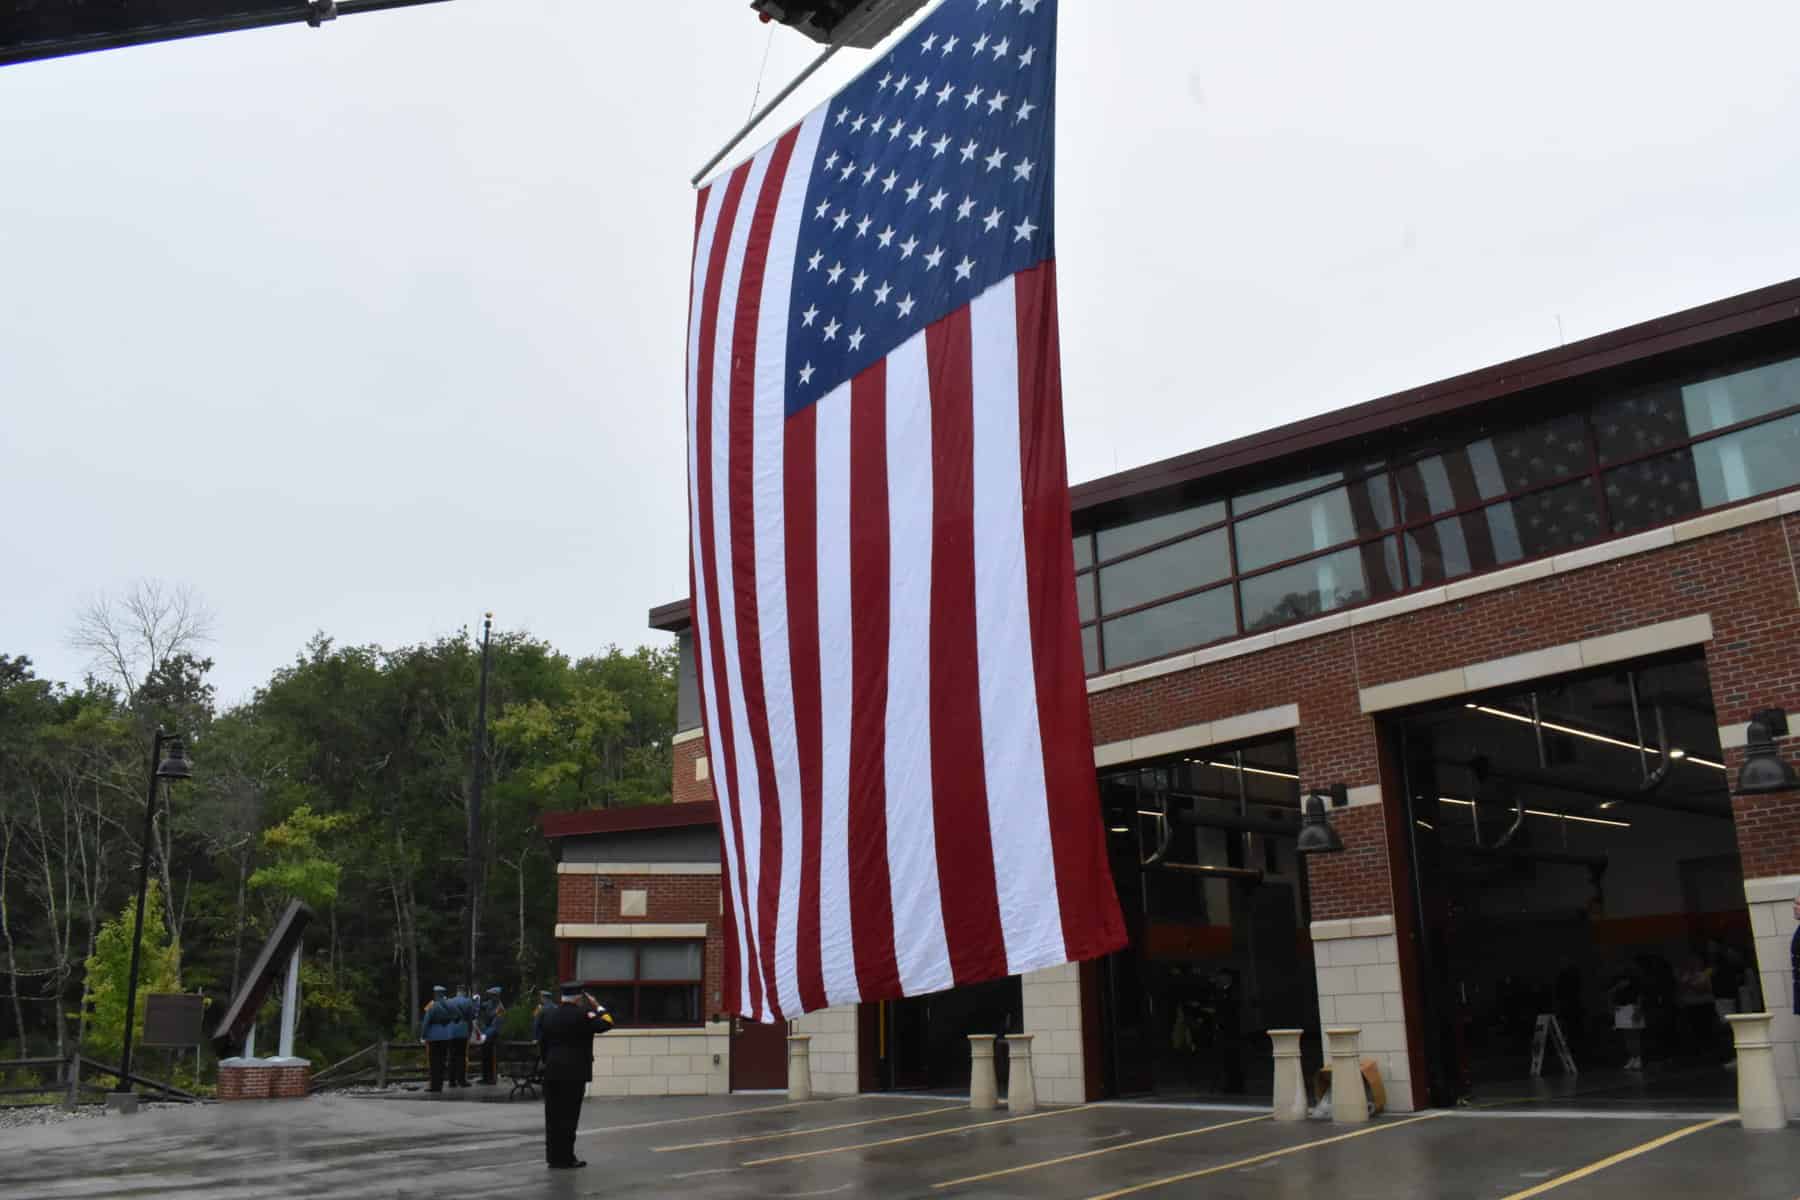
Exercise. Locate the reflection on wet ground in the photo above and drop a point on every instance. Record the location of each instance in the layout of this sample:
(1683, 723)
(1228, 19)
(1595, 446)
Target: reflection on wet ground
(886, 1146)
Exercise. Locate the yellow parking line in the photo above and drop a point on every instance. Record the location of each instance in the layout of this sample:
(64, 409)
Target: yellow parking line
(801, 1132)
(1254, 1159)
(1067, 1158)
(913, 1137)
(734, 1112)
(1611, 1160)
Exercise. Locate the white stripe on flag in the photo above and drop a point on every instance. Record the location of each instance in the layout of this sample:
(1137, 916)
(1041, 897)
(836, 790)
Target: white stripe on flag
(702, 629)
(920, 949)
(833, 475)
(769, 502)
(749, 795)
(1018, 819)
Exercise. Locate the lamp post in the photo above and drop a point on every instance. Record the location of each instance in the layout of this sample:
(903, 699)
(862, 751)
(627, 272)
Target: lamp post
(172, 766)
(477, 761)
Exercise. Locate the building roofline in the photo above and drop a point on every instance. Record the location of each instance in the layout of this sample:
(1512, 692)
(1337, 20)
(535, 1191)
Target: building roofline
(1745, 313)
(629, 820)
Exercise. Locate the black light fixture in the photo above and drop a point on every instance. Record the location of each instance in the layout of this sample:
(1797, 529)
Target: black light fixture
(1317, 835)
(175, 763)
(1763, 770)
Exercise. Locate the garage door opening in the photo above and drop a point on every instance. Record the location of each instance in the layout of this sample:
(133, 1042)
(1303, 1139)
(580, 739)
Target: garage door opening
(1215, 904)
(1575, 871)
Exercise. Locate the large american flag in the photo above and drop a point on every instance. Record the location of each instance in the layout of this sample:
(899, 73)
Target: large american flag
(884, 612)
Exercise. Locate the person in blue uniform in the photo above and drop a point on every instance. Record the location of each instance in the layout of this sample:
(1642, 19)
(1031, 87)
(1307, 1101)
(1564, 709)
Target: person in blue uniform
(489, 1024)
(438, 1029)
(568, 1033)
(465, 1013)
(546, 1002)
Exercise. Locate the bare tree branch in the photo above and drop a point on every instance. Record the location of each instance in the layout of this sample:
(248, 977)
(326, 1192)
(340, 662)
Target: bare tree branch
(129, 634)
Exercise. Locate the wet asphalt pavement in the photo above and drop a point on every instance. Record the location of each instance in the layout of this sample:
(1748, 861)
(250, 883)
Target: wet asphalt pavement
(708, 1147)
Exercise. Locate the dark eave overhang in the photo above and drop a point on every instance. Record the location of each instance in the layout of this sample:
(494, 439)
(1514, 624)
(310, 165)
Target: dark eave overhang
(629, 820)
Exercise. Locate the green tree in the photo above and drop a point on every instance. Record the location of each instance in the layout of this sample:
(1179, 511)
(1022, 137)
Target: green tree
(109, 971)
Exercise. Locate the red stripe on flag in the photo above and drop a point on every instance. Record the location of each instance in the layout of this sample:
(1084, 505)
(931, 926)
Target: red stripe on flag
(871, 891)
(1084, 887)
(965, 851)
(742, 481)
(799, 463)
(700, 199)
(721, 740)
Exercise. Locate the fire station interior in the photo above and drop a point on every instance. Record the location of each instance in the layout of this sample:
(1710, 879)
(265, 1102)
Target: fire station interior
(1215, 902)
(921, 1043)
(1574, 870)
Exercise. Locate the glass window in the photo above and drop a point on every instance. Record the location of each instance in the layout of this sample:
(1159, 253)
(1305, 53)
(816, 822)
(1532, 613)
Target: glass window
(1328, 519)
(1652, 492)
(1263, 497)
(1639, 423)
(1320, 584)
(1547, 521)
(1750, 462)
(1178, 568)
(1084, 550)
(605, 961)
(1090, 650)
(1123, 539)
(669, 960)
(1741, 396)
(1084, 596)
(1152, 632)
(1494, 466)
(644, 982)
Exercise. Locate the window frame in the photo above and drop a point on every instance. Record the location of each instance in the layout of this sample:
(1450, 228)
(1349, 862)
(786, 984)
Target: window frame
(1366, 466)
(631, 1020)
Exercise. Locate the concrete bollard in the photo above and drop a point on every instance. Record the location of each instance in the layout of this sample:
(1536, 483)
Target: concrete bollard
(1759, 1095)
(800, 1066)
(1290, 1085)
(1021, 1087)
(984, 1093)
(1348, 1105)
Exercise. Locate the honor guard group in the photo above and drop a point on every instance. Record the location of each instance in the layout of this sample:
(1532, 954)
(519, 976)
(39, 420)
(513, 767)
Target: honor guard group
(563, 1028)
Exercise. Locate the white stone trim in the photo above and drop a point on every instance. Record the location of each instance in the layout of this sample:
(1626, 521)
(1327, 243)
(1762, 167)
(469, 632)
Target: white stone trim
(834, 1049)
(631, 929)
(1198, 737)
(1051, 1009)
(1538, 664)
(710, 1029)
(1575, 560)
(1362, 797)
(1347, 927)
(1771, 889)
(702, 768)
(687, 735)
(639, 868)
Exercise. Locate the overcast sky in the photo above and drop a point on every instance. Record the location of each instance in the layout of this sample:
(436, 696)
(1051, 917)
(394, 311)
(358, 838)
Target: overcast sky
(368, 328)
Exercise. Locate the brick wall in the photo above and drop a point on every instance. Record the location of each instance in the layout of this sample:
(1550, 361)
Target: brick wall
(669, 899)
(1745, 578)
(688, 786)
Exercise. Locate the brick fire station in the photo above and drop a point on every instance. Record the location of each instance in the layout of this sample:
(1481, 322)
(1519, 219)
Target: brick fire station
(1513, 626)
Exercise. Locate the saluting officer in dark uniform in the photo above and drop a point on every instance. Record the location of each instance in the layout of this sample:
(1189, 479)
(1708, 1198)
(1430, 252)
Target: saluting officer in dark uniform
(567, 1034)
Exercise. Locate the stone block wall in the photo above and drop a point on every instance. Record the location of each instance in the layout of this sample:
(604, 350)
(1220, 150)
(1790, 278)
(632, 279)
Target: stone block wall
(1358, 969)
(1771, 901)
(663, 1062)
(834, 1049)
(1052, 1004)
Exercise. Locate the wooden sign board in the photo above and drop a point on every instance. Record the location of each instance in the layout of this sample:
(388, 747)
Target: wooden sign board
(174, 1020)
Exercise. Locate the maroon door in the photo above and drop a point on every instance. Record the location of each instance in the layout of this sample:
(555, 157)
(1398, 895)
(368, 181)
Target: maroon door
(758, 1055)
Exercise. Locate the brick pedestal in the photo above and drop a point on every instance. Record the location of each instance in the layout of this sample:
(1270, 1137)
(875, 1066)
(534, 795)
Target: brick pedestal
(256, 1079)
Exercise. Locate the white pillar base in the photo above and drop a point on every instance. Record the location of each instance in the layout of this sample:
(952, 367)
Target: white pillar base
(1021, 1086)
(984, 1092)
(1759, 1095)
(1290, 1085)
(1348, 1105)
(800, 1066)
